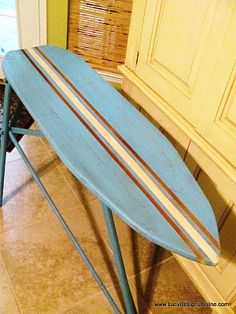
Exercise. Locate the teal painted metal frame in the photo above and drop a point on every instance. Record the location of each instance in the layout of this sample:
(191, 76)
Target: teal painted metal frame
(8, 132)
(127, 296)
(4, 136)
(36, 133)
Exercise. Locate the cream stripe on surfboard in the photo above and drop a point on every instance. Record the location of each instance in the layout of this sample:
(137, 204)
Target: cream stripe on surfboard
(193, 233)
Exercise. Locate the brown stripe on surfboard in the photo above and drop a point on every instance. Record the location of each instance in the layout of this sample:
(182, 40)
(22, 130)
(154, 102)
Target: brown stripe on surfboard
(138, 157)
(191, 246)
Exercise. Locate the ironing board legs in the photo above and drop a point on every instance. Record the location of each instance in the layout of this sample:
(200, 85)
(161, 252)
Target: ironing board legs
(124, 285)
(4, 136)
(64, 224)
(128, 300)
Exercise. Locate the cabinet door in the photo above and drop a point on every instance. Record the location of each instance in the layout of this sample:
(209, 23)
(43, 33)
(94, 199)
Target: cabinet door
(179, 47)
(218, 117)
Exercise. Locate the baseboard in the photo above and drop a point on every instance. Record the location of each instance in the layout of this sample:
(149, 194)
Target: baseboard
(111, 77)
(203, 284)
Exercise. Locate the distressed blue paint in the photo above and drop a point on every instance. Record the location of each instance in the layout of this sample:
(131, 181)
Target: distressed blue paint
(89, 162)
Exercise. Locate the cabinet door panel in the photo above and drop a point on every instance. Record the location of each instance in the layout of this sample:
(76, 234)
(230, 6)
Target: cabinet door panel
(179, 46)
(176, 43)
(218, 118)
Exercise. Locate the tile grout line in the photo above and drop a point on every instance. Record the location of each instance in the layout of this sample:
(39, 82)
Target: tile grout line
(32, 222)
(10, 284)
(81, 301)
(147, 269)
(89, 297)
(43, 219)
(29, 224)
(57, 167)
(154, 265)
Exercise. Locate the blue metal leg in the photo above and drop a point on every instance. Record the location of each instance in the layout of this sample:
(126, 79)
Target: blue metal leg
(4, 136)
(124, 285)
(64, 224)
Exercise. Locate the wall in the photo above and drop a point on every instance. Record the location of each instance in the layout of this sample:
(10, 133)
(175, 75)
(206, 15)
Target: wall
(57, 17)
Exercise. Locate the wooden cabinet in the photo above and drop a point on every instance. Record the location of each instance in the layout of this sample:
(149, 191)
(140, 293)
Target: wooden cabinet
(172, 48)
(181, 69)
(183, 54)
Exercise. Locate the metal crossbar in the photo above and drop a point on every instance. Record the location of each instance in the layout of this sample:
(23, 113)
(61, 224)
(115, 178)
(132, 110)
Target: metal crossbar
(36, 133)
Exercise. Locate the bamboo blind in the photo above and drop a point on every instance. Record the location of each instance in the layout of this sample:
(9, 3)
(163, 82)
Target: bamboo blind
(98, 31)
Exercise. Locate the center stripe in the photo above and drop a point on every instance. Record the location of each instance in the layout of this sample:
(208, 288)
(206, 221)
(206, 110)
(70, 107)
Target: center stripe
(203, 244)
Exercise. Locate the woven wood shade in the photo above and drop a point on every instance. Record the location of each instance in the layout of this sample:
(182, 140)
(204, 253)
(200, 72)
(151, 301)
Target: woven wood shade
(98, 31)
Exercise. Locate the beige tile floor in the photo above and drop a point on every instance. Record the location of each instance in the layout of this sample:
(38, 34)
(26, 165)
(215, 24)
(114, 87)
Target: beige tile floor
(40, 271)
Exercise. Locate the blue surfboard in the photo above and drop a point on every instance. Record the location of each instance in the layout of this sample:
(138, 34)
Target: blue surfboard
(114, 150)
